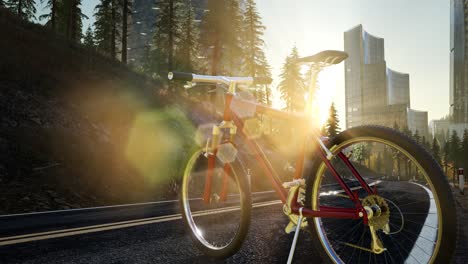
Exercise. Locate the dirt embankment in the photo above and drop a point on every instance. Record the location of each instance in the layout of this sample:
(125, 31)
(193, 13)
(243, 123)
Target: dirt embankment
(78, 129)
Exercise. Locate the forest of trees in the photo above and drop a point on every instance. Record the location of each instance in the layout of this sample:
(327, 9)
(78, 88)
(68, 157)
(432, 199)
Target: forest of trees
(451, 154)
(219, 44)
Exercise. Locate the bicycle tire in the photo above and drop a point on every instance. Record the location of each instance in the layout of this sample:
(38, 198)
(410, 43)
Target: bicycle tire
(331, 245)
(198, 163)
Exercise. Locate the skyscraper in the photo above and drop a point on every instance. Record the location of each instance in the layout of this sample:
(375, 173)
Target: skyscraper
(398, 88)
(375, 94)
(364, 75)
(458, 61)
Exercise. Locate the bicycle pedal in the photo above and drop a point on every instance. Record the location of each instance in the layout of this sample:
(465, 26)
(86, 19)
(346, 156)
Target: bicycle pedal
(291, 227)
(294, 183)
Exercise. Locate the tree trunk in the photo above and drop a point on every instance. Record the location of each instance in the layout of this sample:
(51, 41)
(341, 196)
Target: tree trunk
(53, 11)
(114, 31)
(124, 31)
(20, 6)
(74, 21)
(70, 19)
(171, 35)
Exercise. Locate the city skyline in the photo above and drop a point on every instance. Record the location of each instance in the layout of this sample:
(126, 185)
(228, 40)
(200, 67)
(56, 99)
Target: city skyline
(416, 41)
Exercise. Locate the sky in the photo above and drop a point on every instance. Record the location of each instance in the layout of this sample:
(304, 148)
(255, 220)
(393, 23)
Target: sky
(416, 37)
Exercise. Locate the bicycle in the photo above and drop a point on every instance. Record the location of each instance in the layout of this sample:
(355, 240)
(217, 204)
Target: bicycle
(351, 201)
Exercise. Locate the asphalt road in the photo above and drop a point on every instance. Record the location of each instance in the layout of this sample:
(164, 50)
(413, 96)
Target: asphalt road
(164, 242)
(160, 238)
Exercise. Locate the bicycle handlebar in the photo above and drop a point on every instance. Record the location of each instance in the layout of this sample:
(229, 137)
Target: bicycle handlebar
(190, 77)
(262, 80)
(180, 76)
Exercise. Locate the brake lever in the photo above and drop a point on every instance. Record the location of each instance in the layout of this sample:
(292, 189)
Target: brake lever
(189, 85)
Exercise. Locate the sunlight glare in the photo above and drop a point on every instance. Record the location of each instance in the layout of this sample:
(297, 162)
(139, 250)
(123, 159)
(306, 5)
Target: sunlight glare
(326, 89)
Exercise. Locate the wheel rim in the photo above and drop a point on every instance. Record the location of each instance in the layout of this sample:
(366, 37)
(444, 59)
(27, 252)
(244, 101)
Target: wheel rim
(340, 252)
(215, 224)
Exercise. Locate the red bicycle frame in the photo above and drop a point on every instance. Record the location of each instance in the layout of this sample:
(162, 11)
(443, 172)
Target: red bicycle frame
(323, 211)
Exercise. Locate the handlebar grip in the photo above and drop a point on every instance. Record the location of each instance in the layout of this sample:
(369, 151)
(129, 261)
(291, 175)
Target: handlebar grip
(180, 76)
(262, 80)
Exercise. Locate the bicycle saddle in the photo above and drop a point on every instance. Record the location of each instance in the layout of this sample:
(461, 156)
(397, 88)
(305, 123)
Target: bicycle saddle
(324, 58)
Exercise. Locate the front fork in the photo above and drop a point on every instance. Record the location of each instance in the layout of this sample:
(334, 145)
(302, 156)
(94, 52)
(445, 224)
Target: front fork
(211, 155)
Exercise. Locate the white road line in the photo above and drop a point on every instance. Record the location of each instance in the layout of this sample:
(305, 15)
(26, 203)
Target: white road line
(111, 226)
(107, 207)
(352, 189)
(425, 243)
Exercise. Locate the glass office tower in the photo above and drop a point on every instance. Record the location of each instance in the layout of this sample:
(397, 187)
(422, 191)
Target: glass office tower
(458, 61)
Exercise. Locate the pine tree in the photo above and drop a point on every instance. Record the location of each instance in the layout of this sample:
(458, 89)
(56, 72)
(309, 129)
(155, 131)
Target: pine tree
(417, 137)
(396, 155)
(232, 50)
(52, 16)
(332, 124)
(212, 34)
(446, 156)
(454, 153)
(263, 92)
(187, 50)
(425, 143)
(291, 86)
(26, 9)
(88, 39)
(378, 162)
(435, 149)
(73, 19)
(102, 26)
(65, 17)
(167, 33)
(126, 11)
(106, 27)
(396, 127)
(255, 63)
(464, 150)
(115, 20)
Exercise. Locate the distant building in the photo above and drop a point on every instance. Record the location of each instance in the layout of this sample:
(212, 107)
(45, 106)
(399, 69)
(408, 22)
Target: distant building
(375, 94)
(417, 121)
(458, 61)
(364, 76)
(459, 128)
(398, 88)
(440, 127)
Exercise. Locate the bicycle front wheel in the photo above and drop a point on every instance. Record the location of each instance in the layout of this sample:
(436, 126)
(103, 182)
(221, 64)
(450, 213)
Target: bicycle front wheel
(414, 219)
(218, 216)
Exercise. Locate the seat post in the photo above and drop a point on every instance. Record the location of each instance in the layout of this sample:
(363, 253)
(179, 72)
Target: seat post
(314, 72)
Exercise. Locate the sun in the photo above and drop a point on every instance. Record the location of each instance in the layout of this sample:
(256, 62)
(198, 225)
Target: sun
(326, 88)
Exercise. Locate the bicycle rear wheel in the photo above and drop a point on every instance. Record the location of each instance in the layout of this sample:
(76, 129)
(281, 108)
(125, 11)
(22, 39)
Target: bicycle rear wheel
(416, 222)
(218, 225)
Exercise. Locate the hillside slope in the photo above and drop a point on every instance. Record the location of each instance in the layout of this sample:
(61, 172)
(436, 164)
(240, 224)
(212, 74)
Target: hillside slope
(78, 129)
